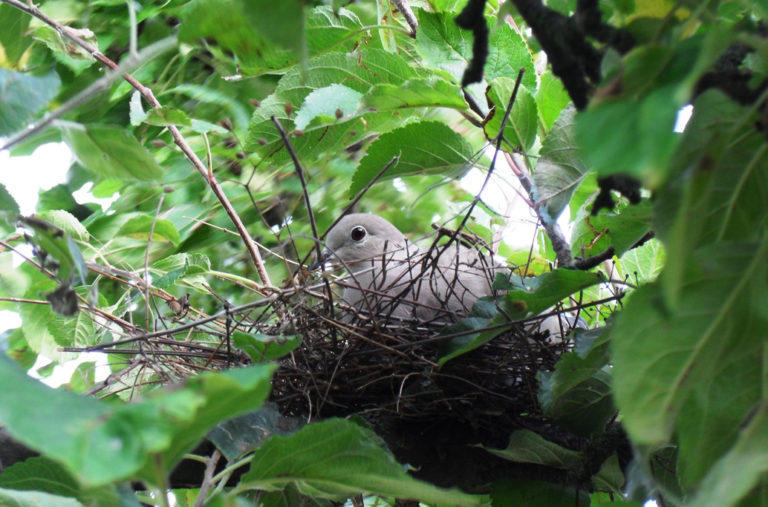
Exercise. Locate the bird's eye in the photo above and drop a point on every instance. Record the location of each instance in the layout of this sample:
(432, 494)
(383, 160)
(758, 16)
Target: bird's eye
(358, 233)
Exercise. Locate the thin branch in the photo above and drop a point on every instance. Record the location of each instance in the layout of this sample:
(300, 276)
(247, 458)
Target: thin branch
(208, 481)
(407, 12)
(302, 179)
(498, 140)
(555, 235)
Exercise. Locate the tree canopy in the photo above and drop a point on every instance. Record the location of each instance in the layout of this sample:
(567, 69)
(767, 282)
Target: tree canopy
(231, 134)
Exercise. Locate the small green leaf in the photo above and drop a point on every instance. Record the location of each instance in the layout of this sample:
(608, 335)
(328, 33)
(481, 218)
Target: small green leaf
(203, 127)
(136, 113)
(166, 115)
(140, 226)
(551, 99)
(644, 263)
(260, 347)
(441, 43)
(240, 435)
(578, 393)
(35, 499)
(525, 446)
(325, 102)
(610, 477)
(230, 23)
(9, 210)
(421, 92)
(14, 36)
(507, 54)
(111, 152)
(67, 223)
(336, 459)
(22, 96)
(522, 125)
(426, 147)
(621, 230)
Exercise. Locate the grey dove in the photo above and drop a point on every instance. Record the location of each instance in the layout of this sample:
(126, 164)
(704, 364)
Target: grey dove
(394, 279)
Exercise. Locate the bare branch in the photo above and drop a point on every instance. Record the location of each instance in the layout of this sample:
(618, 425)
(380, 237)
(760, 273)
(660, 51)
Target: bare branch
(407, 12)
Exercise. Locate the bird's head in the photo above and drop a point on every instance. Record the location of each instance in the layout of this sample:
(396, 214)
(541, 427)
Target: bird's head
(361, 236)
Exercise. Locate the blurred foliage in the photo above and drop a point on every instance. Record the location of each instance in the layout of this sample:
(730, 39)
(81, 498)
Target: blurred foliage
(682, 366)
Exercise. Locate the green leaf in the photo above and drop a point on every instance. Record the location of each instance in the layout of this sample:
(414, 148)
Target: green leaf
(662, 358)
(441, 43)
(107, 442)
(426, 147)
(525, 446)
(560, 170)
(507, 54)
(741, 469)
(53, 241)
(421, 92)
(9, 210)
(111, 152)
(41, 474)
(22, 96)
(139, 227)
(216, 98)
(327, 101)
(328, 30)
(641, 133)
(240, 435)
(260, 347)
(644, 263)
(610, 477)
(551, 99)
(35, 499)
(136, 109)
(166, 115)
(13, 36)
(719, 190)
(336, 459)
(577, 394)
(522, 125)
(67, 223)
(593, 234)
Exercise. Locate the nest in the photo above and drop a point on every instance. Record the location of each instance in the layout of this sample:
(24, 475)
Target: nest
(428, 414)
(383, 369)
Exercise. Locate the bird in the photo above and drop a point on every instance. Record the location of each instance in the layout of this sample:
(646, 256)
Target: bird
(392, 278)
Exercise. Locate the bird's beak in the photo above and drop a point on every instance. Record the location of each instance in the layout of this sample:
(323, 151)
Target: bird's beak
(324, 256)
